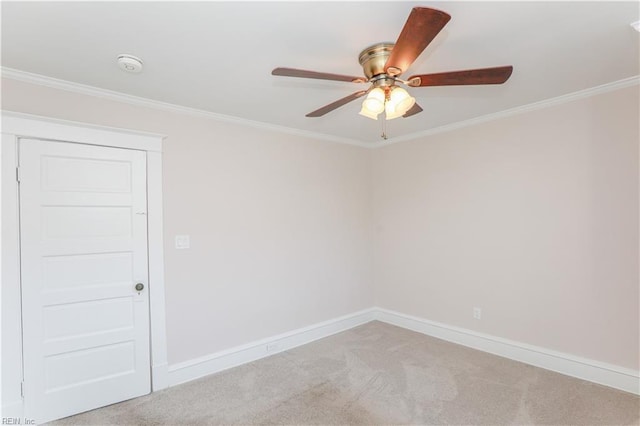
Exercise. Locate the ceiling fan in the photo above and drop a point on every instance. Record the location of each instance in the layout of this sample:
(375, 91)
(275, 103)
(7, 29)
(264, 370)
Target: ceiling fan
(383, 63)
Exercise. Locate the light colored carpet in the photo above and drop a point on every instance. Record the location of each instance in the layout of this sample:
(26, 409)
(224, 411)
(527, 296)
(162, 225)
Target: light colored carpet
(377, 374)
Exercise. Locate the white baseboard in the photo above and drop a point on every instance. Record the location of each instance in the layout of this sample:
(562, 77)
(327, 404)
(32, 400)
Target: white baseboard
(594, 371)
(200, 367)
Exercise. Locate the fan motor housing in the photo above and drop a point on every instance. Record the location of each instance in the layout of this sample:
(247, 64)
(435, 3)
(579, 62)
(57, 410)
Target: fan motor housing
(374, 58)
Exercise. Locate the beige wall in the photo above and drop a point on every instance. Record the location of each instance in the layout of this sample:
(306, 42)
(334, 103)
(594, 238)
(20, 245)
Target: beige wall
(533, 218)
(279, 224)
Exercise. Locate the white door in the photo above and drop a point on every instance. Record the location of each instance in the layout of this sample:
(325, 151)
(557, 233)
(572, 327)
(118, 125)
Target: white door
(83, 229)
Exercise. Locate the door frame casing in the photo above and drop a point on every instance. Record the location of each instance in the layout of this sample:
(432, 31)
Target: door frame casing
(16, 126)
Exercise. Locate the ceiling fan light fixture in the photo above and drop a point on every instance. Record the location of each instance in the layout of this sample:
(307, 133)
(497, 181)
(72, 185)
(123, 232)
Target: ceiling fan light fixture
(374, 101)
(390, 114)
(373, 104)
(383, 63)
(398, 103)
(367, 113)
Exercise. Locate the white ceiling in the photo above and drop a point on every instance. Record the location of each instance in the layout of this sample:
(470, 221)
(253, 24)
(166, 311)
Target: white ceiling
(218, 56)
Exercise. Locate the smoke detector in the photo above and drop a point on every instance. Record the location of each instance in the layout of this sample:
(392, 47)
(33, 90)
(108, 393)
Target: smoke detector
(130, 63)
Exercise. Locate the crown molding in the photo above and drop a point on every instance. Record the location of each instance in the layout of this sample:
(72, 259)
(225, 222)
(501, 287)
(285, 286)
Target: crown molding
(20, 120)
(84, 89)
(581, 94)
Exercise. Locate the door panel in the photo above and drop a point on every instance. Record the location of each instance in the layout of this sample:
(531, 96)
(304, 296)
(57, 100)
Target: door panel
(83, 248)
(116, 267)
(76, 368)
(85, 222)
(99, 316)
(61, 174)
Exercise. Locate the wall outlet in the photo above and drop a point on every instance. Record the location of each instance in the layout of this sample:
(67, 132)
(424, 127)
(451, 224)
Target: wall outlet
(273, 347)
(477, 313)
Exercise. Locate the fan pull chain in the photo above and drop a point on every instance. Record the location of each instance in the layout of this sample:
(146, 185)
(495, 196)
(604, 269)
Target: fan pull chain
(384, 128)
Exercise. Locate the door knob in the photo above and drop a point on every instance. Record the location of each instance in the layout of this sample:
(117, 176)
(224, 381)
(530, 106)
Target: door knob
(139, 287)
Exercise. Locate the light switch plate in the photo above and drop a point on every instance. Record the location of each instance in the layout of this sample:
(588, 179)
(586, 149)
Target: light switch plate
(182, 242)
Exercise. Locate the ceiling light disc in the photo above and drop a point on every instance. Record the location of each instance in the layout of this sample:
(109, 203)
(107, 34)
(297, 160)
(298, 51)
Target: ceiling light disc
(130, 63)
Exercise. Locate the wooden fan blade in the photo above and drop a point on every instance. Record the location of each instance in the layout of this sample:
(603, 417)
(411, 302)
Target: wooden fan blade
(415, 109)
(292, 72)
(422, 26)
(496, 75)
(337, 104)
